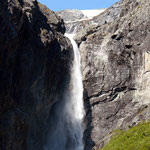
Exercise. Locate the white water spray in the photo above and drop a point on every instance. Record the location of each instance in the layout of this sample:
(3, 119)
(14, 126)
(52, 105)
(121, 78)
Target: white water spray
(66, 131)
(77, 91)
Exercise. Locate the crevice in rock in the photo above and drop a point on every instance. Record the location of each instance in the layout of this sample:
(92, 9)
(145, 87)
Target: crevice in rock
(128, 46)
(112, 95)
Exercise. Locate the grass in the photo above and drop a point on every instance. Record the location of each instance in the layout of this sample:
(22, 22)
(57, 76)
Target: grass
(136, 138)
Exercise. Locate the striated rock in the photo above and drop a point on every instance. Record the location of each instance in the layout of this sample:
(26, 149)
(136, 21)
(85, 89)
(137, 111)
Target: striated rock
(35, 61)
(115, 64)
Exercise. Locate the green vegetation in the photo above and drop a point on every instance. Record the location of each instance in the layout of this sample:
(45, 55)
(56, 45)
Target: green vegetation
(136, 138)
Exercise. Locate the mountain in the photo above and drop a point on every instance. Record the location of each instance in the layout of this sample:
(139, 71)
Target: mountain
(36, 62)
(76, 20)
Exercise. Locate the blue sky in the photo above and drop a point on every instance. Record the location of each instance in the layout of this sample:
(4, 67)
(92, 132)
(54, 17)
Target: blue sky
(56, 5)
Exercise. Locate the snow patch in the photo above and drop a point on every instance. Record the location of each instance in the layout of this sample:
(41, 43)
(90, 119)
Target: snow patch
(92, 13)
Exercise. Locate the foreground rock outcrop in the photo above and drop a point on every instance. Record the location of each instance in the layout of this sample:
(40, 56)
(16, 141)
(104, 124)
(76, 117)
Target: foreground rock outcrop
(35, 61)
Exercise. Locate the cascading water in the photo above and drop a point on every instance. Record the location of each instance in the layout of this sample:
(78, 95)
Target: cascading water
(66, 131)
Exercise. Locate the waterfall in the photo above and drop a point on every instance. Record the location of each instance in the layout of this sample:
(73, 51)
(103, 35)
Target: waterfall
(66, 131)
(77, 91)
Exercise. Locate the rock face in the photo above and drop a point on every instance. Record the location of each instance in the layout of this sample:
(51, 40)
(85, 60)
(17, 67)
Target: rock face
(92, 25)
(69, 15)
(72, 19)
(79, 20)
(115, 64)
(35, 61)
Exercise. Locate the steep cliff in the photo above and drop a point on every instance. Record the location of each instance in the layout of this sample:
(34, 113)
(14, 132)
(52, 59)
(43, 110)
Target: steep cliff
(35, 64)
(35, 61)
(115, 64)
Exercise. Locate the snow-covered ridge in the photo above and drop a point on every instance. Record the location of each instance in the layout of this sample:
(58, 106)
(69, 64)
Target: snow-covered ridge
(93, 12)
(76, 20)
(73, 15)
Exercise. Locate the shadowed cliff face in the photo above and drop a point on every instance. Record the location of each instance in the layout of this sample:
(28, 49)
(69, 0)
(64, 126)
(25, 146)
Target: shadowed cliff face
(35, 61)
(115, 65)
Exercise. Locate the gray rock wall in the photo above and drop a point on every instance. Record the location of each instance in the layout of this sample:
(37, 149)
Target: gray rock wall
(115, 64)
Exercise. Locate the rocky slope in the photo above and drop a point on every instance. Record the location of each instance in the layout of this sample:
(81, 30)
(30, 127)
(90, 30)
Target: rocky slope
(71, 15)
(35, 61)
(115, 65)
(77, 20)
